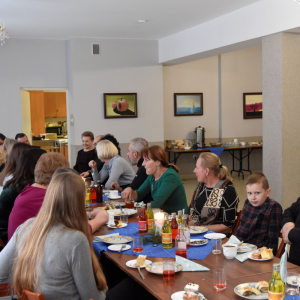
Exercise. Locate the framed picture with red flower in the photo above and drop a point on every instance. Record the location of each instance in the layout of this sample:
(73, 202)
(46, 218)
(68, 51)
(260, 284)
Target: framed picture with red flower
(253, 108)
(122, 105)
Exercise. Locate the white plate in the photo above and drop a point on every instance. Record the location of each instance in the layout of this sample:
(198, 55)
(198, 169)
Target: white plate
(197, 229)
(214, 236)
(118, 247)
(118, 197)
(179, 296)
(249, 256)
(196, 245)
(132, 263)
(245, 247)
(113, 226)
(253, 296)
(117, 239)
(157, 267)
(127, 211)
(117, 203)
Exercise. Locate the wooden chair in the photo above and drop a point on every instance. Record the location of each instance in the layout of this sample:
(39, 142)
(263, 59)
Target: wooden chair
(27, 295)
(281, 247)
(5, 289)
(2, 243)
(236, 223)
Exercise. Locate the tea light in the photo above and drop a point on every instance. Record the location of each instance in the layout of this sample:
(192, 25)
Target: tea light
(159, 219)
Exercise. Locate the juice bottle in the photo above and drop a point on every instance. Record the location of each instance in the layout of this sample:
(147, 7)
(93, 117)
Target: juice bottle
(150, 216)
(143, 221)
(179, 221)
(180, 243)
(174, 226)
(93, 193)
(99, 192)
(276, 285)
(186, 231)
(166, 234)
(87, 199)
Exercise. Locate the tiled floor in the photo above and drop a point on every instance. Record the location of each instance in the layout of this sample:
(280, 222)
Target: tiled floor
(238, 182)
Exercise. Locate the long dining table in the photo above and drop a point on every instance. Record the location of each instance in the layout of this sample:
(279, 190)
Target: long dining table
(236, 272)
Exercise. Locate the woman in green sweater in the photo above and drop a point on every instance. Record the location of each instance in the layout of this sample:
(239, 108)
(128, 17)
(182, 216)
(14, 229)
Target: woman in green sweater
(163, 182)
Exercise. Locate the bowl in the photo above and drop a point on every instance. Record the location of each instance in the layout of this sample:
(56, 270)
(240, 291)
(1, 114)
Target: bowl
(216, 144)
(243, 143)
(187, 148)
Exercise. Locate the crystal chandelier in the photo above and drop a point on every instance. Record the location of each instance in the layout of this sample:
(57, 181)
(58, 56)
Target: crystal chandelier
(3, 34)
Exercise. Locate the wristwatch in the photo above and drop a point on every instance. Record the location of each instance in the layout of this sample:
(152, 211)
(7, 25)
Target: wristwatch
(90, 215)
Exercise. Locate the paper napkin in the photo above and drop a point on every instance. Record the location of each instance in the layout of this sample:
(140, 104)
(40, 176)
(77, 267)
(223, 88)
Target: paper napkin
(189, 265)
(100, 237)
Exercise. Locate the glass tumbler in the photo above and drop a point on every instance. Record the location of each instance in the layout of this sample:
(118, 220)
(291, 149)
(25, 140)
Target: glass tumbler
(292, 283)
(216, 245)
(168, 271)
(219, 277)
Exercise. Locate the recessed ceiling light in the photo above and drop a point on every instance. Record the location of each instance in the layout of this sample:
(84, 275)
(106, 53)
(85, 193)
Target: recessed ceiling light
(142, 21)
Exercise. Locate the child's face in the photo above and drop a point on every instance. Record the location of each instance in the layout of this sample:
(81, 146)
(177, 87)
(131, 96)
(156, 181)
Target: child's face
(256, 194)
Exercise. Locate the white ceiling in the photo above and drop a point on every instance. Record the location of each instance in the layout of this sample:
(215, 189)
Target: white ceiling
(62, 19)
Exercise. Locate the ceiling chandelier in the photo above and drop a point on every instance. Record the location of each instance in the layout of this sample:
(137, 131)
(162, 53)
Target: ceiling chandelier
(3, 34)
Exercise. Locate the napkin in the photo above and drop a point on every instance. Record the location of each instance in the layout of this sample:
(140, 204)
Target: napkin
(100, 237)
(189, 265)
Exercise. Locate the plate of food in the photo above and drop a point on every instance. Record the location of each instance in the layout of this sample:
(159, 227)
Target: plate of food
(118, 247)
(126, 211)
(157, 267)
(245, 247)
(182, 295)
(214, 236)
(253, 290)
(262, 254)
(117, 239)
(141, 262)
(198, 242)
(197, 229)
(106, 207)
(117, 224)
(117, 203)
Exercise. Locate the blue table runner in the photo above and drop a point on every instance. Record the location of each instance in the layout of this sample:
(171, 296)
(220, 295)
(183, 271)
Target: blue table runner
(215, 150)
(194, 252)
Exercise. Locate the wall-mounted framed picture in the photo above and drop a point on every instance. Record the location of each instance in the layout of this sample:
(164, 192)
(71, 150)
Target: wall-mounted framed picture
(120, 105)
(188, 104)
(252, 107)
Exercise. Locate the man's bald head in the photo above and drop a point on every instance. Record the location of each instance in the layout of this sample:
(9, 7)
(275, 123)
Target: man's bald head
(97, 139)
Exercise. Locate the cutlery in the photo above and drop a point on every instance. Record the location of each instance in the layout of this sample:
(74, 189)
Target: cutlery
(141, 274)
(121, 210)
(122, 247)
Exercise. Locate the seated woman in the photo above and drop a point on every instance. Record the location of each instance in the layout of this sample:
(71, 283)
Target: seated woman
(215, 200)
(24, 175)
(163, 182)
(10, 167)
(115, 169)
(86, 154)
(7, 146)
(55, 252)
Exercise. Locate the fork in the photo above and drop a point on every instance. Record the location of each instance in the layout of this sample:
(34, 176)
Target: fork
(123, 247)
(141, 274)
(121, 210)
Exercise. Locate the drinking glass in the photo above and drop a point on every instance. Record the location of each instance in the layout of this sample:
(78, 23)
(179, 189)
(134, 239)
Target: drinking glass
(124, 219)
(138, 243)
(168, 270)
(216, 245)
(292, 283)
(129, 203)
(219, 279)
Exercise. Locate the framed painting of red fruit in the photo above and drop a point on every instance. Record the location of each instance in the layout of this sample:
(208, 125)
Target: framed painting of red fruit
(120, 105)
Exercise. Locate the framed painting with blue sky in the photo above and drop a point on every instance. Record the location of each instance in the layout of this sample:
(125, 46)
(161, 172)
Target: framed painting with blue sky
(188, 104)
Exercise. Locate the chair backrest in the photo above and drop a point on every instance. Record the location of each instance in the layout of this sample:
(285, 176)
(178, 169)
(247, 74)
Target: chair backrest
(5, 289)
(236, 223)
(27, 295)
(2, 243)
(281, 247)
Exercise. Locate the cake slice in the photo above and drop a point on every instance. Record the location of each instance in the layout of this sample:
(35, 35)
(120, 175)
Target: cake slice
(140, 262)
(192, 287)
(266, 253)
(118, 223)
(190, 296)
(262, 286)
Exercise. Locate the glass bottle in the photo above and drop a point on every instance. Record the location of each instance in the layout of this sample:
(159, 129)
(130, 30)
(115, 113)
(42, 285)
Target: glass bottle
(174, 226)
(276, 285)
(93, 193)
(166, 234)
(180, 243)
(150, 216)
(143, 221)
(87, 199)
(99, 192)
(186, 231)
(179, 221)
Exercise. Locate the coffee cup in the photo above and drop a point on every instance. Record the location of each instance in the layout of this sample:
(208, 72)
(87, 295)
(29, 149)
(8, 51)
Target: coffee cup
(113, 194)
(230, 250)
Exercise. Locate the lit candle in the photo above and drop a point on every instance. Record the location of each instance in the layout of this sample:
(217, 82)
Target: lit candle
(159, 219)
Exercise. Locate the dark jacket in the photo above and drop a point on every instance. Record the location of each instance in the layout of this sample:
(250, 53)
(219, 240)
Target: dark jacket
(292, 214)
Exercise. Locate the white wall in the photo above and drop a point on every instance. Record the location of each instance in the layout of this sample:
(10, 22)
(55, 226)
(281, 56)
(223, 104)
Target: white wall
(241, 73)
(28, 64)
(123, 66)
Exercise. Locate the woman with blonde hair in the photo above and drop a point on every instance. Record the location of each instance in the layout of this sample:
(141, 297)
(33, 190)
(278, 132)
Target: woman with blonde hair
(8, 145)
(53, 253)
(215, 200)
(115, 169)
